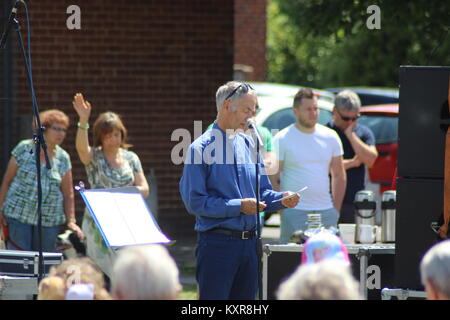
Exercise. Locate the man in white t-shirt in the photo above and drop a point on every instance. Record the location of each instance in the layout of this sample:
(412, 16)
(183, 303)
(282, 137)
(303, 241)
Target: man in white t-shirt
(307, 152)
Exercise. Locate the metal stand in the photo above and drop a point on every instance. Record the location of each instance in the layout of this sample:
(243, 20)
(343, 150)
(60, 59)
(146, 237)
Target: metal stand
(258, 224)
(265, 262)
(38, 138)
(401, 294)
(363, 256)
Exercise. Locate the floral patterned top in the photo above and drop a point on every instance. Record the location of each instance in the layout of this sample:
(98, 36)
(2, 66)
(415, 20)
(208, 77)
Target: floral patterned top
(102, 175)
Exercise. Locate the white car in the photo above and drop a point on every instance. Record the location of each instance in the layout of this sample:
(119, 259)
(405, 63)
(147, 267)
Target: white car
(275, 104)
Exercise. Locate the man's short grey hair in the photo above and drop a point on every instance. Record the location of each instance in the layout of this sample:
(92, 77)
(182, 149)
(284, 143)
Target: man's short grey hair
(325, 280)
(435, 267)
(226, 89)
(347, 100)
(145, 273)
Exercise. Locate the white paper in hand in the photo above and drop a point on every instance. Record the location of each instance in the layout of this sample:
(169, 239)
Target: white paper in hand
(292, 195)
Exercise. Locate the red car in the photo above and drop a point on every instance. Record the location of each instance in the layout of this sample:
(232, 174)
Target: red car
(383, 121)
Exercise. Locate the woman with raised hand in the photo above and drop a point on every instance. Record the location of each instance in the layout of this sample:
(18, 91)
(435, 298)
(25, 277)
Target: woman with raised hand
(108, 164)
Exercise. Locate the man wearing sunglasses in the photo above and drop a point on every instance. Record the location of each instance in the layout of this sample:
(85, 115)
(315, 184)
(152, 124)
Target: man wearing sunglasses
(359, 148)
(218, 187)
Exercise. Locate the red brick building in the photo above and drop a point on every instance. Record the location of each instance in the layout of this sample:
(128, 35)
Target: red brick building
(157, 63)
(250, 37)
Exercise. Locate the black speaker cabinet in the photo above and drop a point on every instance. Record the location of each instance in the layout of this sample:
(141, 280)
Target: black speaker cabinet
(419, 204)
(423, 121)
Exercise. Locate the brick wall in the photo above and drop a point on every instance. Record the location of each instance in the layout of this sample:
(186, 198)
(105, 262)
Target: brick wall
(157, 63)
(250, 37)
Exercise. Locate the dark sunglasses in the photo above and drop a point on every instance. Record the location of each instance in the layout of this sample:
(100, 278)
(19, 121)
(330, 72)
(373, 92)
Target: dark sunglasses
(246, 87)
(345, 118)
(59, 129)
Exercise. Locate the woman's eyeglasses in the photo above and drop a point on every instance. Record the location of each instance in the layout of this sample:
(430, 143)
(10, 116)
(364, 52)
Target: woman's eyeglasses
(59, 129)
(245, 86)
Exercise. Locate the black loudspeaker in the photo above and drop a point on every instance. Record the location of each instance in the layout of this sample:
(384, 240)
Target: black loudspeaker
(423, 121)
(419, 204)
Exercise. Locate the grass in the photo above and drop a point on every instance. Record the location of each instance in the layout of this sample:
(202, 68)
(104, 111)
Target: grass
(189, 291)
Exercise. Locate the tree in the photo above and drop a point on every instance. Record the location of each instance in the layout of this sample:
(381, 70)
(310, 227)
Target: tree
(328, 43)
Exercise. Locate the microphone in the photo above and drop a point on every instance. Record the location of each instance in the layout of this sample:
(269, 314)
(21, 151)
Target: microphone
(251, 124)
(12, 17)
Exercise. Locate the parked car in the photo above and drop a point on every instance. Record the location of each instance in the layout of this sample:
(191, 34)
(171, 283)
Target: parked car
(272, 89)
(281, 115)
(383, 121)
(275, 104)
(372, 95)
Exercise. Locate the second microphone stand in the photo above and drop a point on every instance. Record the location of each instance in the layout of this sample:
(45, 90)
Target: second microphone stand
(39, 142)
(258, 219)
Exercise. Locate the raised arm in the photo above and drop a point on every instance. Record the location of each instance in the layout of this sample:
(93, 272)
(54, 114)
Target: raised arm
(367, 154)
(83, 109)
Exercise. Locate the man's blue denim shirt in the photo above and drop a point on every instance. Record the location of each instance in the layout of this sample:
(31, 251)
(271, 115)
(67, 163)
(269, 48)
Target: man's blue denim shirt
(219, 171)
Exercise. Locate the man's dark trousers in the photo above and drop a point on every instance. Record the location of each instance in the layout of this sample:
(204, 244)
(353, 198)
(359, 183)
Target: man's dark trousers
(226, 267)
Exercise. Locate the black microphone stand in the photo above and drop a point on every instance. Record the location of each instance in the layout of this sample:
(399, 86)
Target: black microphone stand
(39, 142)
(258, 221)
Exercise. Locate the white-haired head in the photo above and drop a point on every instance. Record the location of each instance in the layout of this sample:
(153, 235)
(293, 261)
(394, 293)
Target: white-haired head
(435, 268)
(145, 273)
(233, 91)
(325, 280)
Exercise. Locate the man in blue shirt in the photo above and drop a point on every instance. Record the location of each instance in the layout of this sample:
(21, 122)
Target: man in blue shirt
(358, 142)
(218, 187)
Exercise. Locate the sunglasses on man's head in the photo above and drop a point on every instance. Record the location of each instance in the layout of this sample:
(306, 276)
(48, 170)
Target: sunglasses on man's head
(345, 118)
(245, 86)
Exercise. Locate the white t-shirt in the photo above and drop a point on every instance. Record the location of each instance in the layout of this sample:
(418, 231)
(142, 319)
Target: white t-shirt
(307, 158)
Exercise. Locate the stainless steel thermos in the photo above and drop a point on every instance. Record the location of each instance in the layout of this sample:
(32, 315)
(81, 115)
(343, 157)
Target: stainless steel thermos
(365, 210)
(388, 208)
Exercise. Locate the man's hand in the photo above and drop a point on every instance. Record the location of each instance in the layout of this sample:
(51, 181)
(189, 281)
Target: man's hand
(352, 163)
(349, 131)
(248, 206)
(291, 202)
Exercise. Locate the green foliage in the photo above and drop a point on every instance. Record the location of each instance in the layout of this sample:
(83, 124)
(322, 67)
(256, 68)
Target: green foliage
(324, 43)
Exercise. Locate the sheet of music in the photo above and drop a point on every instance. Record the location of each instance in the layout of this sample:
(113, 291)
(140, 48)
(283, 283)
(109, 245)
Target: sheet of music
(124, 218)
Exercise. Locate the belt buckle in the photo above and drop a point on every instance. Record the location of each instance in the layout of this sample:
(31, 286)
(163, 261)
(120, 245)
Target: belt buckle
(245, 235)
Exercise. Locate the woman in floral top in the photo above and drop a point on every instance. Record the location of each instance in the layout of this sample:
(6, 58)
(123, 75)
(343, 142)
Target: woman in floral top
(18, 192)
(108, 165)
